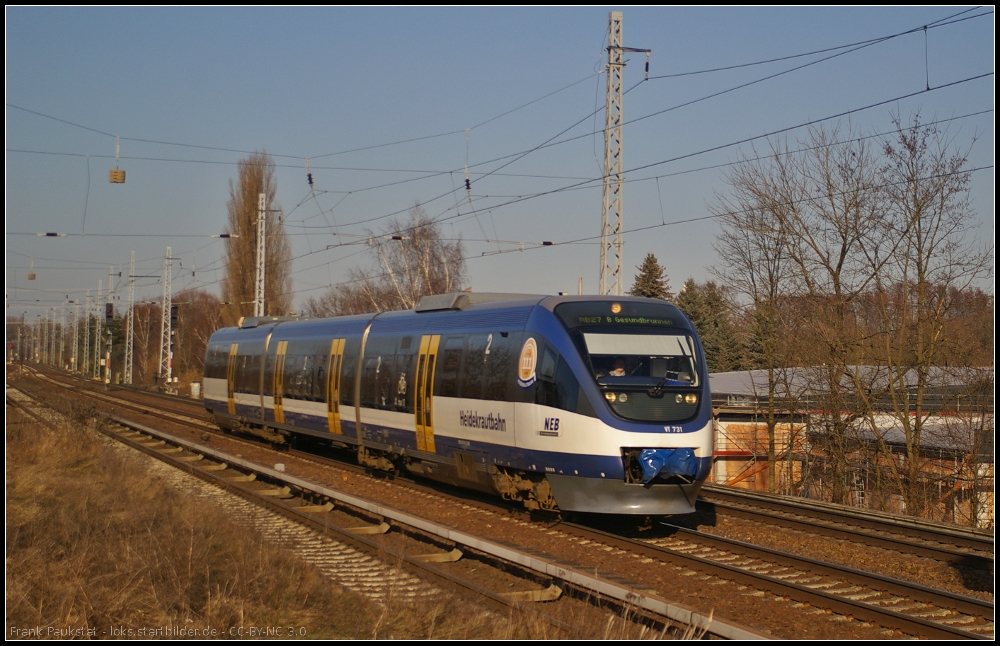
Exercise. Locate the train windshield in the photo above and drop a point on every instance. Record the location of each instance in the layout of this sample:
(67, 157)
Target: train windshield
(654, 360)
(642, 354)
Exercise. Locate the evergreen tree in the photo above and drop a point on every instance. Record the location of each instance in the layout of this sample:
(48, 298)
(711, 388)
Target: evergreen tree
(711, 315)
(651, 282)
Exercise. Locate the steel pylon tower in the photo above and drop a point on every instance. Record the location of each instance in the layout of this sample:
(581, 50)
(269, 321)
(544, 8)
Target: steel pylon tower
(258, 295)
(45, 341)
(130, 329)
(166, 353)
(76, 339)
(62, 335)
(97, 330)
(111, 330)
(86, 335)
(612, 207)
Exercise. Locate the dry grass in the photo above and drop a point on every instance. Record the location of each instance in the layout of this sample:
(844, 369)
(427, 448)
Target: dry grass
(95, 543)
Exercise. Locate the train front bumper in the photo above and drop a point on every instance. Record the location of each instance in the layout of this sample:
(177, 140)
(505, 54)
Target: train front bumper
(605, 496)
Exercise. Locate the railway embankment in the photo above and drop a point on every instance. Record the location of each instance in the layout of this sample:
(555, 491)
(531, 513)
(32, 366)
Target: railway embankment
(101, 546)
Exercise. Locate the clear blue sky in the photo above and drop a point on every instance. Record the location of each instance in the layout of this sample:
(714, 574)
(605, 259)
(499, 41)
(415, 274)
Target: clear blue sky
(189, 89)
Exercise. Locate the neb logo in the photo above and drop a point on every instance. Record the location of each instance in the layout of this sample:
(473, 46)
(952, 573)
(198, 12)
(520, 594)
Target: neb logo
(526, 365)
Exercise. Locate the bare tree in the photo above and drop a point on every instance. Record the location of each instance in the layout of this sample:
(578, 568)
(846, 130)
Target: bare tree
(753, 249)
(928, 211)
(256, 176)
(856, 260)
(146, 342)
(200, 315)
(811, 211)
(408, 261)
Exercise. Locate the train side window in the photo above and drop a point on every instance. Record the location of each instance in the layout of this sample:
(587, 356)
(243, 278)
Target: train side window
(451, 363)
(497, 370)
(246, 379)
(546, 392)
(385, 382)
(473, 367)
(401, 389)
(377, 372)
(298, 374)
(269, 367)
(369, 377)
(299, 368)
(320, 352)
(215, 362)
(238, 370)
(349, 371)
(557, 386)
(547, 369)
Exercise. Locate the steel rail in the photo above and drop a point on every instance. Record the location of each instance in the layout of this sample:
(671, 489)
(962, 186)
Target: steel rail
(568, 574)
(895, 543)
(802, 593)
(972, 539)
(877, 615)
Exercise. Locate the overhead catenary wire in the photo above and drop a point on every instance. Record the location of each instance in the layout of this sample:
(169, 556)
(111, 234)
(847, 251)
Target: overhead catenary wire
(860, 44)
(545, 193)
(730, 144)
(298, 157)
(689, 155)
(871, 41)
(753, 138)
(547, 143)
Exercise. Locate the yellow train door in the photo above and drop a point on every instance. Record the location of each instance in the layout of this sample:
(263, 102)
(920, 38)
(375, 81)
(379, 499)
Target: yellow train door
(423, 400)
(230, 377)
(279, 381)
(333, 385)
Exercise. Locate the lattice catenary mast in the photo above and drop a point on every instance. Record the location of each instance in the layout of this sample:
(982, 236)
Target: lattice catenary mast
(166, 352)
(130, 329)
(97, 330)
(258, 293)
(612, 244)
(86, 335)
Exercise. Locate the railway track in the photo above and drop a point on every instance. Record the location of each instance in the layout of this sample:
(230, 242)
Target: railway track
(355, 540)
(951, 544)
(897, 605)
(962, 546)
(910, 608)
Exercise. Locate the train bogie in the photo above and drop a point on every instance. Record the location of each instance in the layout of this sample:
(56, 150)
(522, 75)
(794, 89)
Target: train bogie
(579, 404)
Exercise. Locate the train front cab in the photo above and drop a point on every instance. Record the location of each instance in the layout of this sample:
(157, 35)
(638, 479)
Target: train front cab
(642, 443)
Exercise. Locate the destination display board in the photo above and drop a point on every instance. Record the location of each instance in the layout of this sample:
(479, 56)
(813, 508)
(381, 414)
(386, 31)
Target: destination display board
(620, 314)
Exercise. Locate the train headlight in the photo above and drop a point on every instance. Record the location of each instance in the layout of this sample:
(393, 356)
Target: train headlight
(611, 397)
(690, 398)
(623, 398)
(679, 398)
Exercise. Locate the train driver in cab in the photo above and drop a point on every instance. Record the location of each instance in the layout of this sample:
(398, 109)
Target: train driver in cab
(619, 370)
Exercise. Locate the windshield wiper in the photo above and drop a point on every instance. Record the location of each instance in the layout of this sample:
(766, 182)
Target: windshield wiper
(657, 390)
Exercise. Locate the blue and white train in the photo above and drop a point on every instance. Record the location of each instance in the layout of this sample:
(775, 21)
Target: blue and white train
(574, 403)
